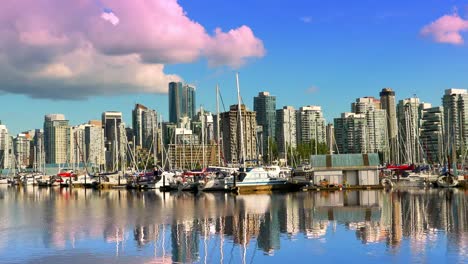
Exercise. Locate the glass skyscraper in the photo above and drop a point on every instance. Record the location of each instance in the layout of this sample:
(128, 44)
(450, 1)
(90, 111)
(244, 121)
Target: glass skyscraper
(181, 101)
(265, 106)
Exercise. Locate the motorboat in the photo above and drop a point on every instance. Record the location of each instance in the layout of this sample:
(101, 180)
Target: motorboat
(447, 181)
(257, 179)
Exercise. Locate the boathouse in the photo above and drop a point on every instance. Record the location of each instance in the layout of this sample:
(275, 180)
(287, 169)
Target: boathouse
(345, 170)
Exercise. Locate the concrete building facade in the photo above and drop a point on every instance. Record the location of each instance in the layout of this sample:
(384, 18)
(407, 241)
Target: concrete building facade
(57, 139)
(231, 134)
(455, 103)
(286, 130)
(5, 154)
(409, 115)
(311, 125)
(432, 140)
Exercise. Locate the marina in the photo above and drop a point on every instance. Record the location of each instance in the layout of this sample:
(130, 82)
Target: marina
(58, 225)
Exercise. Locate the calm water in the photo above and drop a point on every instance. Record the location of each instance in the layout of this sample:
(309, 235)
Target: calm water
(59, 226)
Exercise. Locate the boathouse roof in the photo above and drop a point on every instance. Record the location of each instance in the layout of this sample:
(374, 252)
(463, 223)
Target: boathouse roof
(345, 161)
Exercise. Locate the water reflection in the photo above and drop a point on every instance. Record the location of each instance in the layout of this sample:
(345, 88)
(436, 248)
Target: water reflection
(57, 225)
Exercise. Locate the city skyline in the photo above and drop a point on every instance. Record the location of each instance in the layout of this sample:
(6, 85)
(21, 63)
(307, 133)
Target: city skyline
(412, 48)
(127, 110)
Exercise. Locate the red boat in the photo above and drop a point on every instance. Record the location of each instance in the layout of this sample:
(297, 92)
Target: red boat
(64, 173)
(404, 167)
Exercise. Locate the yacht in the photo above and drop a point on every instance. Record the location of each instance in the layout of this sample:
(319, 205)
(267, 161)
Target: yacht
(257, 179)
(215, 182)
(447, 181)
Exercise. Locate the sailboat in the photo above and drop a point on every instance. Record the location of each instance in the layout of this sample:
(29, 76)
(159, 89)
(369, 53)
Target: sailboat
(449, 180)
(253, 179)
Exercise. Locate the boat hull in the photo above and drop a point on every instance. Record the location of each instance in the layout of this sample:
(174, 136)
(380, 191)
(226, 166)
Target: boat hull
(252, 187)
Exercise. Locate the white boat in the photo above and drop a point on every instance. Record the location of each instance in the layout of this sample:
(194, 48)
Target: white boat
(185, 183)
(30, 178)
(447, 181)
(84, 180)
(4, 181)
(215, 184)
(419, 180)
(257, 179)
(114, 178)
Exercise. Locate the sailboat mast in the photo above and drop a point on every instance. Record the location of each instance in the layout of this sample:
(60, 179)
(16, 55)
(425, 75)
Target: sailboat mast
(155, 143)
(217, 126)
(203, 136)
(240, 121)
(163, 161)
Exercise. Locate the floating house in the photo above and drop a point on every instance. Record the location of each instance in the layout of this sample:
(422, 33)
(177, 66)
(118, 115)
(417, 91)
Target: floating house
(347, 170)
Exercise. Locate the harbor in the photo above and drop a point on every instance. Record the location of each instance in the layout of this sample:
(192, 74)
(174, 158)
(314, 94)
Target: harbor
(56, 225)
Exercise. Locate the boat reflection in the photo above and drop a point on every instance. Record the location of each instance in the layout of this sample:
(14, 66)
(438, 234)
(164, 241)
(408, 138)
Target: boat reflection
(181, 227)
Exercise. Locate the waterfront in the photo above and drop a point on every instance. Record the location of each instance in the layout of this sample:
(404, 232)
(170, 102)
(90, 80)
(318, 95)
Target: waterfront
(111, 226)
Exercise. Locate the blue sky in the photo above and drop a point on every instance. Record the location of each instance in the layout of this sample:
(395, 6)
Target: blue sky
(345, 49)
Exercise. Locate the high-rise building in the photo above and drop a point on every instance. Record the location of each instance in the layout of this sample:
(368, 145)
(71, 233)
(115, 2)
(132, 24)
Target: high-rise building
(57, 139)
(311, 125)
(388, 102)
(5, 154)
(181, 101)
(94, 151)
(350, 133)
(375, 136)
(265, 106)
(37, 151)
(115, 139)
(331, 143)
(365, 104)
(409, 113)
(137, 115)
(21, 146)
(285, 130)
(144, 123)
(455, 103)
(149, 127)
(432, 140)
(231, 130)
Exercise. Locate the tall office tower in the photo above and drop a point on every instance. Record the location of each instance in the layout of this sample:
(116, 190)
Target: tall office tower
(265, 106)
(331, 143)
(231, 130)
(57, 139)
(145, 122)
(95, 150)
(78, 146)
(285, 130)
(115, 139)
(137, 114)
(409, 115)
(455, 103)
(5, 154)
(208, 124)
(311, 125)
(181, 101)
(375, 132)
(432, 140)
(149, 129)
(388, 102)
(350, 133)
(21, 147)
(37, 151)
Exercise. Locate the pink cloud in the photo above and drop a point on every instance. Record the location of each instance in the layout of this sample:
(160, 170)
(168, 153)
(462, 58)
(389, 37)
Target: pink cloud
(234, 47)
(45, 38)
(447, 29)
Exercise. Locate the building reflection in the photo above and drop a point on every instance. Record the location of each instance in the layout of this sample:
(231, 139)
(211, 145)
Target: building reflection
(187, 228)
